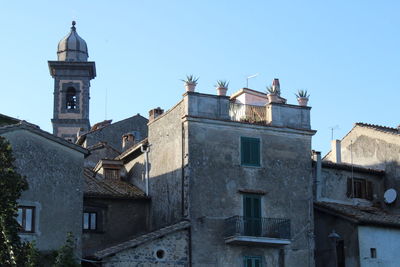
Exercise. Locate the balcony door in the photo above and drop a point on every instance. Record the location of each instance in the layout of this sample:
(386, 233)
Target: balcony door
(252, 215)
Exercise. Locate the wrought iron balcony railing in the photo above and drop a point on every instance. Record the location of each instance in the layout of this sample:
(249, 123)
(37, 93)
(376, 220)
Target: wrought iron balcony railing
(257, 227)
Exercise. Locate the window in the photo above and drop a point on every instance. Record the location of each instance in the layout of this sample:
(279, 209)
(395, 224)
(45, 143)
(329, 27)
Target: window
(359, 188)
(25, 218)
(71, 98)
(252, 261)
(90, 221)
(111, 174)
(373, 252)
(252, 215)
(250, 151)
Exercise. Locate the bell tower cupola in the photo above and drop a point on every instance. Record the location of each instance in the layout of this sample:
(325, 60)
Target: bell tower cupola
(72, 73)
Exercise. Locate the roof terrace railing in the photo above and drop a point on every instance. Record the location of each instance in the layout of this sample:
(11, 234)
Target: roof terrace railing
(248, 113)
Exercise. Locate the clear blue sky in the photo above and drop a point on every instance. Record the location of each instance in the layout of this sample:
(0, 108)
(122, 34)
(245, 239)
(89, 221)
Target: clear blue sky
(345, 53)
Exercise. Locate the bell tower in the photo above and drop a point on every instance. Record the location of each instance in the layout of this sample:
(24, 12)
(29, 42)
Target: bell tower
(72, 73)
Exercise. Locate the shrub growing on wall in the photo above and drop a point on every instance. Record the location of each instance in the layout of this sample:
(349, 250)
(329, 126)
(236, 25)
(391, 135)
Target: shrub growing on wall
(11, 186)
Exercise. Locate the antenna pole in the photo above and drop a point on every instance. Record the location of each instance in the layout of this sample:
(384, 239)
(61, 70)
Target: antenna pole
(105, 107)
(352, 169)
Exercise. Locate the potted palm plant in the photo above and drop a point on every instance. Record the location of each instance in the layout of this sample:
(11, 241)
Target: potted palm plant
(222, 87)
(190, 83)
(302, 97)
(272, 94)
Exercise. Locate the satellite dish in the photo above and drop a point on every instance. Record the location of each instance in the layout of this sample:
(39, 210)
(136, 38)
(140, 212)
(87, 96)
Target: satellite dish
(390, 196)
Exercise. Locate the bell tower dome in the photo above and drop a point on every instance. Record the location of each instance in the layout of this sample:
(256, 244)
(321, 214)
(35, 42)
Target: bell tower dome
(72, 73)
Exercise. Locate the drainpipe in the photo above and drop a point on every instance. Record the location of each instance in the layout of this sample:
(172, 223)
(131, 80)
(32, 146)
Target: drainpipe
(147, 166)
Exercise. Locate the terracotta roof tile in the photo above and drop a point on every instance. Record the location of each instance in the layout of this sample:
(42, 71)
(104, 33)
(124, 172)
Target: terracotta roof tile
(108, 188)
(361, 214)
(379, 127)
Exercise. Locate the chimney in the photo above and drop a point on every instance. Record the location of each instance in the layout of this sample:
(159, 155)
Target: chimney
(317, 174)
(127, 141)
(275, 84)
(336, 151)
(154, 113)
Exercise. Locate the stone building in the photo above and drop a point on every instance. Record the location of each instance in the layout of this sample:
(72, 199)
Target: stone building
(355, 222)
(52, 206)
(241, 186)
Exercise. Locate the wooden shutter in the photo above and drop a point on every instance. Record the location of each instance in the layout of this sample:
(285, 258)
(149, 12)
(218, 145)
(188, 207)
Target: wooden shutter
(250, 151)
(369, 191)
(255, 152)
(349, 187)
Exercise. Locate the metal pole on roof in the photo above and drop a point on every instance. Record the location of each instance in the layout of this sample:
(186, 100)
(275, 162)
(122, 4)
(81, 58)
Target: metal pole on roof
(249, 77)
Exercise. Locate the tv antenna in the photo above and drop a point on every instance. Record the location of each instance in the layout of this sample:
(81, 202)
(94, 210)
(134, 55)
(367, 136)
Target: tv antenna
(249, 77)
(332, 128)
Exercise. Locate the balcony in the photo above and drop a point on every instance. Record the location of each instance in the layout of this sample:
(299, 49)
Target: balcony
(257, 231)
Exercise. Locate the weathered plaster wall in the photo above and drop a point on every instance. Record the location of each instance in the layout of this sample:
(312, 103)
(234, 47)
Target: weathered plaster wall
(118, 220)
(174, 245)
(216, 176)
(334, 185)
(386, 242)
(54, 173)
(135, 170)
(375, 149)
(165, 157)
(324, 225)
(112, 134)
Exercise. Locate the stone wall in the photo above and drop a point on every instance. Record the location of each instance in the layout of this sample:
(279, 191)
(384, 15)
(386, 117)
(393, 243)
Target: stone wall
(324, 254)
(172, 247)
(165, 157)
(375, 149)
(112, 134)
(334, 185)
(55, 176)
(118, 220)
(216, 179)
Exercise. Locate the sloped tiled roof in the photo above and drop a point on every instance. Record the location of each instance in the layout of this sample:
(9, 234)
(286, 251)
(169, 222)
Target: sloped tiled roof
(379, 128)
(101, 145)
(23, 125)
(142, 239)
(109, 188)
(349, 167)
(360, 214)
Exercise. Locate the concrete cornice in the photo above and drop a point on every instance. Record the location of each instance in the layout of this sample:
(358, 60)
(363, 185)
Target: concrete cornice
(249, 125)
(89, 65)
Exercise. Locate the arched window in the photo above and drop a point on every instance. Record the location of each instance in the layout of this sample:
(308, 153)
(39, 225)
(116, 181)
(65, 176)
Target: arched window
(71, 98)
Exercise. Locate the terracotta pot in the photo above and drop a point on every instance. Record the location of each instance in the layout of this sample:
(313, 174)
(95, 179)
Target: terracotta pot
(272, 98)
(221, 91)
(190, 87)
(302, 101)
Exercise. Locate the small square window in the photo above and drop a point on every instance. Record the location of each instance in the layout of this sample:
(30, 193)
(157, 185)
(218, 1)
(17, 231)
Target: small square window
(90, 221)
(250, 151)
(25, 218)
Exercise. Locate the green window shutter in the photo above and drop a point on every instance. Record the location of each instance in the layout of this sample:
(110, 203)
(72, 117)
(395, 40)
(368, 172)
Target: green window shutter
(250, 151)
(369, 190)
(349, 187)
(252, 261)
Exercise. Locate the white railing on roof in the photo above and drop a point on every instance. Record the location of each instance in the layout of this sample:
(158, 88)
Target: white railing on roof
(247, 113)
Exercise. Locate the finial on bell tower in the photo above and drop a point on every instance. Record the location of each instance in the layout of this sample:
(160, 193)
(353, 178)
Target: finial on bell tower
(73, 25)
